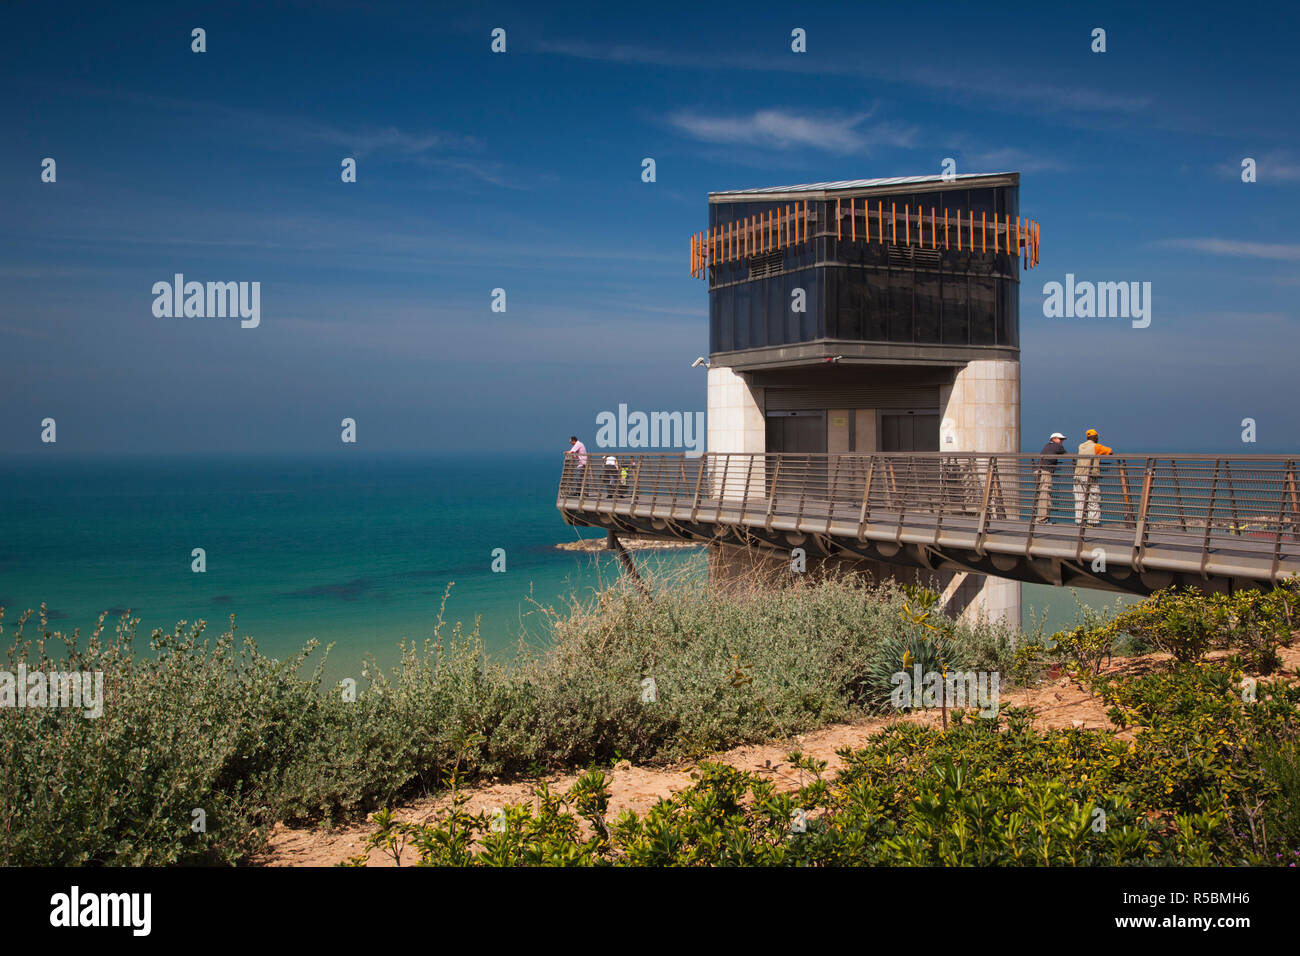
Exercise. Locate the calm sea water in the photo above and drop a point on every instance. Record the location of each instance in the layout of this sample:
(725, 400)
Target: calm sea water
(357, 552)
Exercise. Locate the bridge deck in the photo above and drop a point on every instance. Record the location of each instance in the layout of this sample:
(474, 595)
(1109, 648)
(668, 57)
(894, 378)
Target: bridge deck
(1187, 520)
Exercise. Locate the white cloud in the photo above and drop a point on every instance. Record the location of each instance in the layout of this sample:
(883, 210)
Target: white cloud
(1009, 157)
(781, 129)
(1238, 247)
(1023, 88)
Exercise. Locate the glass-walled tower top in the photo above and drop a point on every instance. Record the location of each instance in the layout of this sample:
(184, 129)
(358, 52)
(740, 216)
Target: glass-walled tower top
(905, 270)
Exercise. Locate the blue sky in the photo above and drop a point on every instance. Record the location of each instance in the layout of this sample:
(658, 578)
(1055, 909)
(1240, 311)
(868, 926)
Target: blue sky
(522, 171)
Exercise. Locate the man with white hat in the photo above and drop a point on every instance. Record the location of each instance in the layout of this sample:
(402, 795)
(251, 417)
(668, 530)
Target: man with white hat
(1046, 472)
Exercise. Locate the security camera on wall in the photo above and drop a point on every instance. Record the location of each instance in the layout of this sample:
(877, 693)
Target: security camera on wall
(698, 362)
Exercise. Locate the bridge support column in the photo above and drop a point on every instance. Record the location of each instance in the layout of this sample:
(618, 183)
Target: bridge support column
(736, 416)
(980, 412)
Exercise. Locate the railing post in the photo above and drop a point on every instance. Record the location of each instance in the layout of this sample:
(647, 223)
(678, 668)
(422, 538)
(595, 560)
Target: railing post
(982, 523)
(771, 494)
(1291, 487)
(582, 484)
(1232, 496)
(699, 480)
(942, 503)
(1277, 533)
(722, 486)
(1178, 494)
(1139, 537)
(830, 500)
(636, 482)
(744, 499)
(1209, 520)
(1130, 520)
(1000, 508)
(803, 494)
(866, 495)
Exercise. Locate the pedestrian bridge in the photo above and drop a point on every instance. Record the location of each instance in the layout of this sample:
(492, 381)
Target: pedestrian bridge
(1143, 523)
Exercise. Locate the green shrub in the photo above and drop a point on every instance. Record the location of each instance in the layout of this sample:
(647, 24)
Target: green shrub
(1204, 784)
(213, 725)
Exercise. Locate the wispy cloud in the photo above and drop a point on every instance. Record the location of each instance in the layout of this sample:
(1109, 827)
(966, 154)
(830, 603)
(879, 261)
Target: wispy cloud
(781, 129)
(1007, 90)
(1238, 247)
(1010, 157)
(436, 149)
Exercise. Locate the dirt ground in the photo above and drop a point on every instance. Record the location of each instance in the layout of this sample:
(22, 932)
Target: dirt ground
(1060, 703)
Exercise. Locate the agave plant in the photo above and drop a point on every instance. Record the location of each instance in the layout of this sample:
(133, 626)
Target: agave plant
(918, 642)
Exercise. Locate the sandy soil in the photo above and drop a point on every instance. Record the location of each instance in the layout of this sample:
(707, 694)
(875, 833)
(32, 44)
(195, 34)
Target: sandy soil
(1060, 703)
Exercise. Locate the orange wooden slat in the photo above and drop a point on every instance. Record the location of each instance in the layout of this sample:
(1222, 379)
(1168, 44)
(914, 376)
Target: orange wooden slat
(959, 230)
(839, 230)
(853, 219)
(970, 230)
(945, 227)
(996, 245)
(893, 223)
(907, 224)
(984, 232)
(880, 221)
(805, 220)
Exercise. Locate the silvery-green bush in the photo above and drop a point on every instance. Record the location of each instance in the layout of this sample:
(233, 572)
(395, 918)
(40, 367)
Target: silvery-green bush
(193, 722)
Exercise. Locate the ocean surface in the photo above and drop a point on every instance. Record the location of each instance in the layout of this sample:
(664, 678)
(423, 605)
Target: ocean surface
(357, 553)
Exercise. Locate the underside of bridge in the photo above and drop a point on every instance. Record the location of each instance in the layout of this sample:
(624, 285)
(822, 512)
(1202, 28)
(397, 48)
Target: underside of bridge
(1058, 555)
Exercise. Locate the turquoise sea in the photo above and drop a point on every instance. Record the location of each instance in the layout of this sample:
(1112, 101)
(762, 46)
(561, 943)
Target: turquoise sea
(355, 552)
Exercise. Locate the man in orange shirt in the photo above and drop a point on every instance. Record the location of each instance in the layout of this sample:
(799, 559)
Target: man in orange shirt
(1087, 479)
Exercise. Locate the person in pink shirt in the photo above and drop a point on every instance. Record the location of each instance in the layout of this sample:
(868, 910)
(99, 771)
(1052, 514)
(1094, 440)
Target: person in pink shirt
(579, 452)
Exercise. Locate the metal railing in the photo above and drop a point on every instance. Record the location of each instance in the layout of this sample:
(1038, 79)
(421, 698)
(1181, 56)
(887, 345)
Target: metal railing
(1247, 505)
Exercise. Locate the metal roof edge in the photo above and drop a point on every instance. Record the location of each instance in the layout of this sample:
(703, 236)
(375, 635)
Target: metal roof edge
(857, 187)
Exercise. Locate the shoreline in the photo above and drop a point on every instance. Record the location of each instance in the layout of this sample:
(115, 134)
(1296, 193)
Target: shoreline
(631, 542)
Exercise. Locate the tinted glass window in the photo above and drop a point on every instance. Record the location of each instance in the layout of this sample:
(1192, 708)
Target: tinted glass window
(928, 306)
(900, 306)
(982, 308)
(954, 310)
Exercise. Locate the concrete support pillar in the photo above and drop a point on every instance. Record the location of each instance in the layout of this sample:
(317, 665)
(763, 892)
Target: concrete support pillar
(980, 412)
(736, 414)
(737, 424)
